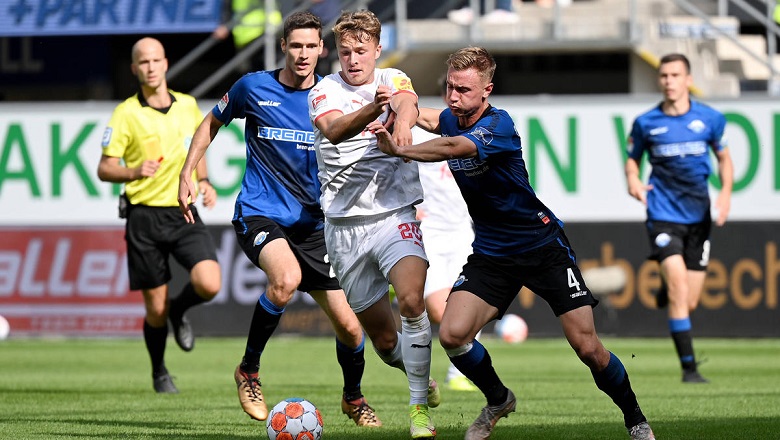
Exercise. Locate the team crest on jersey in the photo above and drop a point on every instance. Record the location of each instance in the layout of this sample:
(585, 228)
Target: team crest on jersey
(106, 137)
(223, 103)
(483, 135)
(259, 238)
(319, 101)
(663, 240)
(461, 279)
(402, 83)
(697, 126)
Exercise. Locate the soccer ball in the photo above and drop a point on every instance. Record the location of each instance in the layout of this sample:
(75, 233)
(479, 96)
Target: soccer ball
(5, 328)
(294, 419)
(512, 328)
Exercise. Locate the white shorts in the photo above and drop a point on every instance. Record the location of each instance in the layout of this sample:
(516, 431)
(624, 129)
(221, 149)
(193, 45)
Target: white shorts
(447, 253)
(362, 251)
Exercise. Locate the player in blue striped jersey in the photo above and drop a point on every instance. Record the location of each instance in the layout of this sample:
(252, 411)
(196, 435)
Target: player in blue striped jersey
(519, 242)
(278, 219)
(677, 136)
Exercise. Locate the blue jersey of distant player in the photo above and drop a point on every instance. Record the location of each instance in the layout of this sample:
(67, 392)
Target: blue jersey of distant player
(280, 181)
(508, 217)
(678, 150)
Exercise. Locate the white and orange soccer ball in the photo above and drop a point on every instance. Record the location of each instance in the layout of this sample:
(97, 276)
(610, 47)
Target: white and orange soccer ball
(512, 328)
(294, 419)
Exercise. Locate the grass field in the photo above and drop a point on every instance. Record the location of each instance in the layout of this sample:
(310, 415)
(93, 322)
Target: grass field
(101, 389)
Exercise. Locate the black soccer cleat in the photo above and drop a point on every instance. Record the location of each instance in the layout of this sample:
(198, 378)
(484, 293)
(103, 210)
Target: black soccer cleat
(182, 332)
(163, 384)
(693, 377)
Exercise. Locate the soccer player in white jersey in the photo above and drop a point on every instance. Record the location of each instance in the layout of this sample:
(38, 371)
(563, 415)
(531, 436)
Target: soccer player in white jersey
(371, 231)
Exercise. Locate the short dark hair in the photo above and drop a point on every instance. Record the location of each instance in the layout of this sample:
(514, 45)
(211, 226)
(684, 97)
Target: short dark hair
(672, 57)
(302, 20)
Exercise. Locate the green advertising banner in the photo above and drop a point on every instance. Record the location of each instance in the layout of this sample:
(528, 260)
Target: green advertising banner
(574, 149)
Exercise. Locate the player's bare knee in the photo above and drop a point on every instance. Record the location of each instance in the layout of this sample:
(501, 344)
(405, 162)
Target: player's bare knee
(591, 353)
(384, 342)
(411, 307)
(448, 340)
(208, 288)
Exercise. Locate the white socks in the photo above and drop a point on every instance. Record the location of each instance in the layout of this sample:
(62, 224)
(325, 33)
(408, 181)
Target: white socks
(416, 349)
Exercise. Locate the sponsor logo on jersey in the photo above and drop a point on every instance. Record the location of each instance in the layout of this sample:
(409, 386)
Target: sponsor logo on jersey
(659, 130)
(697, 126)
(259, 238)
(402, 83)
(106, 137)
(543, 217)
(461, 279)
(663, 239)
(483, 135)
(579, 293)
(269, 103)
(285, 134)
(469, 165)
(223, 103)
(319, 101)
(680, 149)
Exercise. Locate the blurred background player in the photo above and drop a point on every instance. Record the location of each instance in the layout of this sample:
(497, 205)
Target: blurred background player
(677, 136)
(518, 242)
(446, 226)
(368, 198)
(150, 132)
(448, 231)
(278, 220)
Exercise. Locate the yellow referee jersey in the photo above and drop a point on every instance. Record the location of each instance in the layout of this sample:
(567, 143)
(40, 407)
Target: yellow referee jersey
(138, 132)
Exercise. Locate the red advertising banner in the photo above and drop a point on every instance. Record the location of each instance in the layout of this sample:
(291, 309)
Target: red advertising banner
(67, 281)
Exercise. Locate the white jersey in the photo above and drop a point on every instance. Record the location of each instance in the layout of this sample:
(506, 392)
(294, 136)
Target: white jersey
(443, 208)
(357, 178)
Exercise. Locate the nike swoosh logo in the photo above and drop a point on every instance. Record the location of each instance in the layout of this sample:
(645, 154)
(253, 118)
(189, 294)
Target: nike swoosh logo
(428, 346)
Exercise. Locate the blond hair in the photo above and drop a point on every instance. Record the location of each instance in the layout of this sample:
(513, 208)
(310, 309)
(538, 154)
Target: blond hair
(473, 58)
(361, 25)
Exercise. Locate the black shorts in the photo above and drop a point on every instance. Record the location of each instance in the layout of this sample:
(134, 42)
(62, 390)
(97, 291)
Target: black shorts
(550, 271)
(309, 249)
(155, 233)
(690, 241)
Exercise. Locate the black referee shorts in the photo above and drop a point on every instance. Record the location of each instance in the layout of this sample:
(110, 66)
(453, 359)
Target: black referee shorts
(155, 233)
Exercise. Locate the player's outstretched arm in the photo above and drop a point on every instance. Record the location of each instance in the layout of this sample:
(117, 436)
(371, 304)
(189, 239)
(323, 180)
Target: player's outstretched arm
(204, 135)
(433, 150)
(428, 120)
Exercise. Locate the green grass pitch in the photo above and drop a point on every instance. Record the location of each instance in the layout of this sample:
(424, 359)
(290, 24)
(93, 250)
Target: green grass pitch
(101, 389)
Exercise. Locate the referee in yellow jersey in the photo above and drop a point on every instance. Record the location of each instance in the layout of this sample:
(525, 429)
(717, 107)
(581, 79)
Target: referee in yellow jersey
(150, 132)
